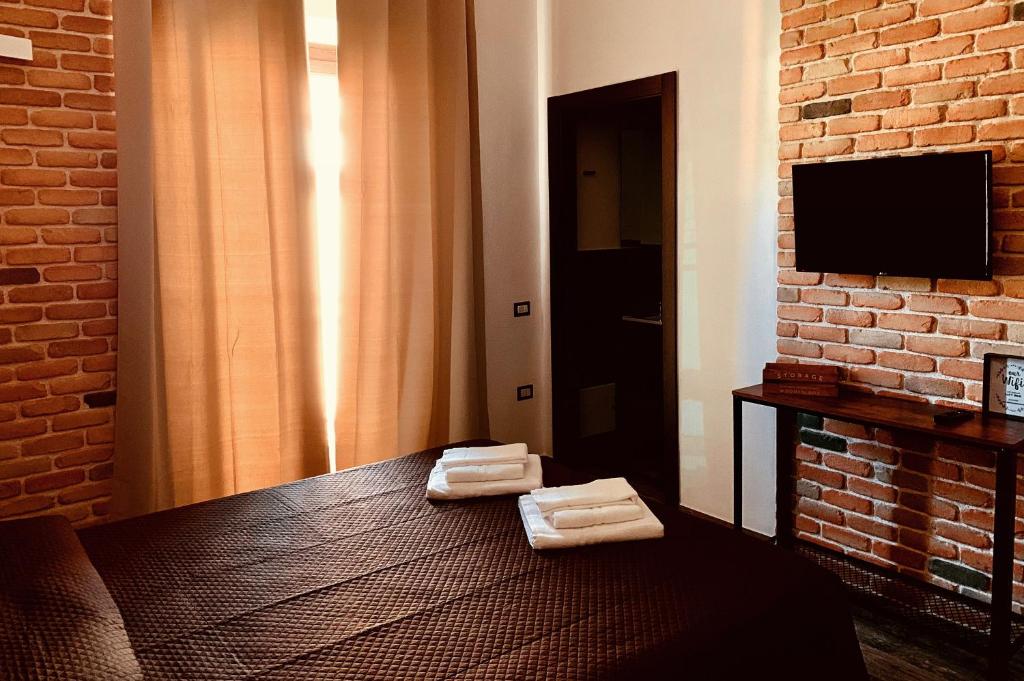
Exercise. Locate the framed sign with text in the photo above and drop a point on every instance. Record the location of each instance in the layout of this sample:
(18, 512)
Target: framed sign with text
(1003, 386)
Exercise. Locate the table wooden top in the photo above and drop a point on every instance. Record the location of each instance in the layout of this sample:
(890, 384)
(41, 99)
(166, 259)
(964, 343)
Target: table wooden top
(992, 431)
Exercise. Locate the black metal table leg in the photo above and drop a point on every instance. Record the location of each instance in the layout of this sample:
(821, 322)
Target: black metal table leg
(737, 463)
(785, 427)
(1002, 560)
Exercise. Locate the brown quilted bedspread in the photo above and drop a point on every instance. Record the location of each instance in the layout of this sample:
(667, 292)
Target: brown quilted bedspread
(57, 620)
(357, 576)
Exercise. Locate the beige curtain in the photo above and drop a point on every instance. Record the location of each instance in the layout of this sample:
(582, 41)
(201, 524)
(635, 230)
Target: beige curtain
(218, 372)
(411, 356)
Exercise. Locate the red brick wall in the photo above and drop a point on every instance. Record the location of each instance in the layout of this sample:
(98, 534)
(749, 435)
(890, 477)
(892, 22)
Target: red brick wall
(58, 260)
(868, 77)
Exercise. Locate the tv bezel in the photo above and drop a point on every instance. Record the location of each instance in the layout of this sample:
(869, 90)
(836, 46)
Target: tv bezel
(909, 271)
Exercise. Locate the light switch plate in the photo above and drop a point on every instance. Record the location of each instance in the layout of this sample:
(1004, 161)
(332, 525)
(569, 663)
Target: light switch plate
(521, 309)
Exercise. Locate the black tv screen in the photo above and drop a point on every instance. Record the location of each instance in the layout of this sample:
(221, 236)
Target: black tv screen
(916, 216)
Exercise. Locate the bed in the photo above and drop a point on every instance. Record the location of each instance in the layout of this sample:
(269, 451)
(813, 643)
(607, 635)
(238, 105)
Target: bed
(355, 575)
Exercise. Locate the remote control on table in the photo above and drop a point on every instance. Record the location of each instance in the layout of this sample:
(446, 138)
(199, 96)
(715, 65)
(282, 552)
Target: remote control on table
(953, 417)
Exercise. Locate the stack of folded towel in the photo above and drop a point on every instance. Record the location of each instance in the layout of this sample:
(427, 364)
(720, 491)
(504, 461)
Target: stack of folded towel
(600, 511)
(464, 472)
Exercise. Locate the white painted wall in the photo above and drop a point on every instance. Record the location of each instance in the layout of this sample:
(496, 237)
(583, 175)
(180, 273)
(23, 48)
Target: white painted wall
(726, 54)
(515, 232)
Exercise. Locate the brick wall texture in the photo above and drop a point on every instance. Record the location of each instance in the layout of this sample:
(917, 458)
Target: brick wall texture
(862, 78)
(58, 260)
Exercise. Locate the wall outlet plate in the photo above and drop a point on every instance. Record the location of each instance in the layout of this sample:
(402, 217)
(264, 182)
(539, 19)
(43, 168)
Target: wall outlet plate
(524, 392)
(521, 309)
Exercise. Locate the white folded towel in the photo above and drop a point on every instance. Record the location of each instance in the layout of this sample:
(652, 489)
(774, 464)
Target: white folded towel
(481, 456)
(500, 471)
(596, 493)
(439, 487)
(569, 518)
(542, 535)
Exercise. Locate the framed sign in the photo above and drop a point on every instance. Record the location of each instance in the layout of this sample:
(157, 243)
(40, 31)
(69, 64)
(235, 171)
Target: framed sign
(1003, 387)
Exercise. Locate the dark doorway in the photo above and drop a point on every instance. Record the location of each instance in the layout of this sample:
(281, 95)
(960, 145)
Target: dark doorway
(612, 160)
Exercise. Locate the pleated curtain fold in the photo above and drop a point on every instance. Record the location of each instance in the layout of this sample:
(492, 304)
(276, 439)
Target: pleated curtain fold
(219, 387)
(411, 357)
(219, 382)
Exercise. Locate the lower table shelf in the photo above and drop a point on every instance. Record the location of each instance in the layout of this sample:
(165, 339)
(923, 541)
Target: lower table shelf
(920, 602)
(1004, 630)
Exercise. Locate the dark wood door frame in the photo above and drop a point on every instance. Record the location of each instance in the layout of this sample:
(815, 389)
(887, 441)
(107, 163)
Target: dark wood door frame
(562, 190)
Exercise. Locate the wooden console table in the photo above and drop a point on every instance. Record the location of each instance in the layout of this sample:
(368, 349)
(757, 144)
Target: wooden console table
(1003, 631)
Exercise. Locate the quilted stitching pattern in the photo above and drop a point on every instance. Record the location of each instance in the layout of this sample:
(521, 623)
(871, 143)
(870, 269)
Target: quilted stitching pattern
(57, 620)
(356, 575)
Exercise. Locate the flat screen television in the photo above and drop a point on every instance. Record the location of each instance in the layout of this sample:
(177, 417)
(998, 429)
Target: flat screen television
(915, 216)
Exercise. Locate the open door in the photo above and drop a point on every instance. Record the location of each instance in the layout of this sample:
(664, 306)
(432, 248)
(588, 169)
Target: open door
(612, 161)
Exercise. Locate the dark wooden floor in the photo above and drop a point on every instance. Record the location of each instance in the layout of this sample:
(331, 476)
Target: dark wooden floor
(895, 650)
